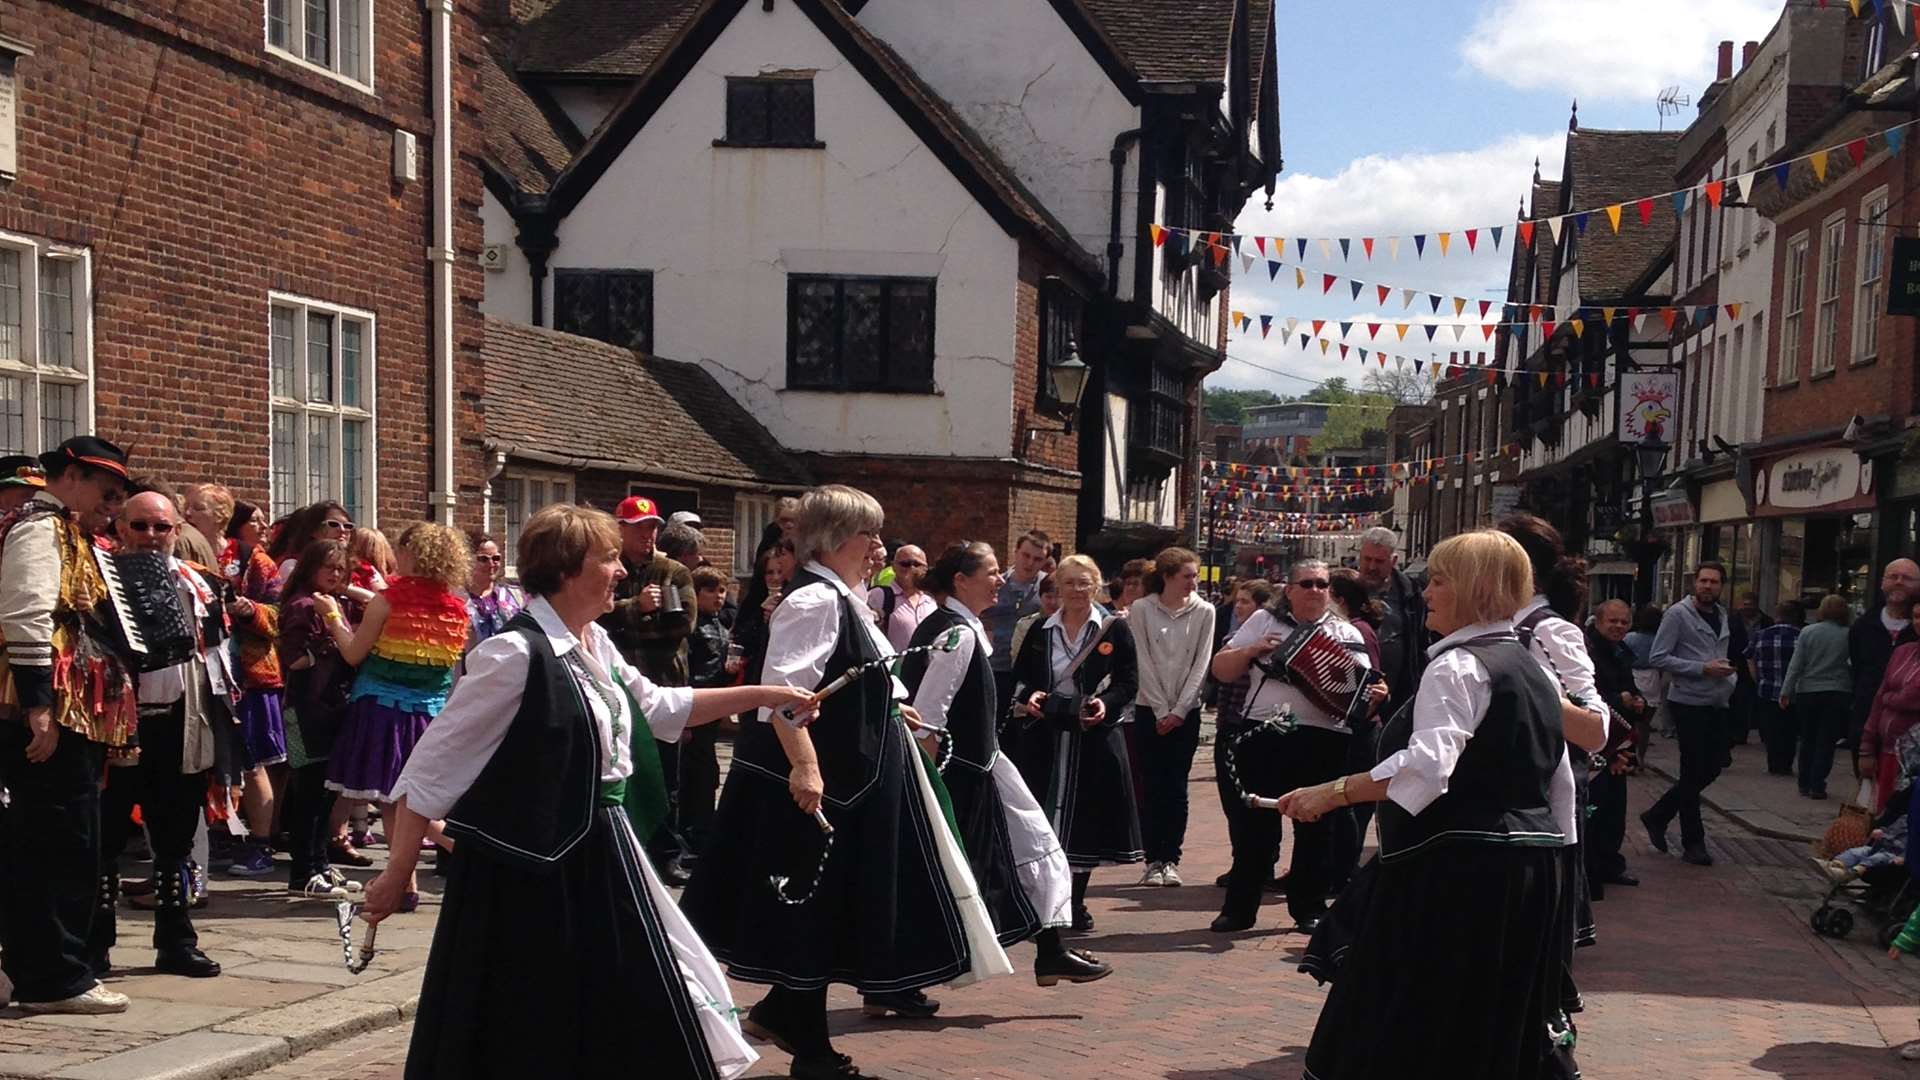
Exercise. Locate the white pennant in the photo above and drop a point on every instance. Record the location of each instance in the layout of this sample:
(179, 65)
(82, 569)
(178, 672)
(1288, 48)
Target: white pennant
(1246, 264)
(1291, 323)
(1556, 223)
(1406, 299)
(1744, 182)
(1393, 247)
(1900, 14)
(1458, 330)
(1326, 250)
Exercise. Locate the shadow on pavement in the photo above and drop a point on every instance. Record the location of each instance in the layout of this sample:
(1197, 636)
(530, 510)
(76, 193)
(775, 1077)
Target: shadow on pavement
(1197, 940)
(1291, 1060)
(1811, 1060)
(853, 1021)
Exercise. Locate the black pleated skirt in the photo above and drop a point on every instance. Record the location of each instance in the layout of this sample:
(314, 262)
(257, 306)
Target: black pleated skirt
(1455, 971)
(883, 917)
(1084, 782)
(563, 973)
(982, 817)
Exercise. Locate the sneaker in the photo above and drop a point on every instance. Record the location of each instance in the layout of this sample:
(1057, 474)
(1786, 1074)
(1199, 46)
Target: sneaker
(252, 862)
(94, 1002)
(341, 881)
(1155, 875)
(1911, 1051)
(320, 887)
(1170, 875)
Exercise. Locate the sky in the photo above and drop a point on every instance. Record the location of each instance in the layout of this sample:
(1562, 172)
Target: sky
(1423, 116)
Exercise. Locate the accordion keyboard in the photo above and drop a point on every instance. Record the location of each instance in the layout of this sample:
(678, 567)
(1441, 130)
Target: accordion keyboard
(117, 595)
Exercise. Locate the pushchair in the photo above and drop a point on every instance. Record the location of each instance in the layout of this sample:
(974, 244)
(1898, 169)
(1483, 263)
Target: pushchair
(1886, 893)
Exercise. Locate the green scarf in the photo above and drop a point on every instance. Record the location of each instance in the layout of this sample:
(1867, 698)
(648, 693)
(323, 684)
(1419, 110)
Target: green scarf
(645, 797)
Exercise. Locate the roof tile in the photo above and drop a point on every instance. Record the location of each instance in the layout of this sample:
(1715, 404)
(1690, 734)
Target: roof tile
(1608, 167)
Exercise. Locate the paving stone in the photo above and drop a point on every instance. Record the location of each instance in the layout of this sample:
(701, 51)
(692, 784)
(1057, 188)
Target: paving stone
(331, 975)
(199, 1055)
(152, 1016)
(22, 1064)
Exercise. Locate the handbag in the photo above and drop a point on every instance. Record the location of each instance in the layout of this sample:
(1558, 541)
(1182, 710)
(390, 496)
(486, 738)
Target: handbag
(1065, 711)
(1852, 825)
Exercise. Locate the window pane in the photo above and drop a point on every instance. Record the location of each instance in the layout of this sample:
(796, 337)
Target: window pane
(59, 412)
(536, 496)
(286, 490)
(910, 328)
(56, 312)
(580, 303)
(353, 469)
(352, 60)
(13, 416)
(320, 456)
(814, 334)
(630, 311)
(319, 357)
(746, 111)
(790, 111)
(320, 32)
(281, 334)
(10, 315)
(511, 492)
(352, 348)
(277, 25)
(862, 357)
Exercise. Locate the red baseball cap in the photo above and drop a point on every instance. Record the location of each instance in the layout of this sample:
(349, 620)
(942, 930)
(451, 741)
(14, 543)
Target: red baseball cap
(635, 509)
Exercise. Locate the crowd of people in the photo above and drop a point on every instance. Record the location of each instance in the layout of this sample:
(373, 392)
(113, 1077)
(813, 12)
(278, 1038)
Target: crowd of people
(932, 754)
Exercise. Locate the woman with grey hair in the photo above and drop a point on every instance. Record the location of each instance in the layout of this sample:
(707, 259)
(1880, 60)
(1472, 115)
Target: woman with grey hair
(890, 907)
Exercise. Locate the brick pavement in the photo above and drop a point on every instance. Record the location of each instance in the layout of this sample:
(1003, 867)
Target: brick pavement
(1699, 973)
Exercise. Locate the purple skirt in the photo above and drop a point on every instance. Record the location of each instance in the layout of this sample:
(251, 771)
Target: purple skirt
(374, 744)
(263, 731)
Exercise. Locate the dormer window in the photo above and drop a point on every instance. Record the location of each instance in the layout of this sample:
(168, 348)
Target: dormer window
(770, 111)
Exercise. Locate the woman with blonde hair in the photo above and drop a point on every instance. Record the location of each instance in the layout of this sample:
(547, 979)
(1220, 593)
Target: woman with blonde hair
(1461, 928)
(1818, 688)
(1075, 679)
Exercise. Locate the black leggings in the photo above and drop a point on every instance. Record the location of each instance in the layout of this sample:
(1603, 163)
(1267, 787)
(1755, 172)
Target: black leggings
(304, 818)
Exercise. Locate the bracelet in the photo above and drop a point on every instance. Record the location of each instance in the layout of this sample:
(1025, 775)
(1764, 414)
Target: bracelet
(1340, 791)
(334, 617)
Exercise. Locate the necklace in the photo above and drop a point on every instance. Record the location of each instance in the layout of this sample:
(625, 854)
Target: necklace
(607, 698)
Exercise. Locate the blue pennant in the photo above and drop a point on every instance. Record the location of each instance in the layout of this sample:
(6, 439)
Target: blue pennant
(1435, 301)
(1357, 286)
(1302, 241)
(1419, 244)
(1580, 222)
(1496, 231)
(1896, 136)
(1273, 270)
(1430, 329)
(1781, 172)
(1345, 329)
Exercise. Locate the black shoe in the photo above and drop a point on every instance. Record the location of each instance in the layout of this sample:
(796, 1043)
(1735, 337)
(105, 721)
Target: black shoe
(1082, 921)
(1231, 924)
(827, 1066)
(757, 1028)
(1623, 878)
(1656, 834)
(1697, 855)
(673, 875)
(1307, 924)
(1818, 795)
(192, 963)
(1596, 890)
(1278, 886)
(1221, 881)
(906, 1004)
(1073, 965)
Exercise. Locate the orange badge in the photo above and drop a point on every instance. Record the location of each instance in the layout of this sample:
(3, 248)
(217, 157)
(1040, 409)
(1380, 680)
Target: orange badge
(1105, 649)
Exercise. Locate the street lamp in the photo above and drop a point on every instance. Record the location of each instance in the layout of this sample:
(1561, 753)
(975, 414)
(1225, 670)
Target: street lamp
(1069, 379)
(1650, 453)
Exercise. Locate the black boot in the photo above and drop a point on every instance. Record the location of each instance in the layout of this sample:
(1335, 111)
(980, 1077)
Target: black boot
(1082, 918)
(906, 1004)
(1056, 962)
(104, 932)
(176, 946)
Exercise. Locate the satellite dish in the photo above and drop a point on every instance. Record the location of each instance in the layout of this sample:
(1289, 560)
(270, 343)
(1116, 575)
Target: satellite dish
(1669, 102)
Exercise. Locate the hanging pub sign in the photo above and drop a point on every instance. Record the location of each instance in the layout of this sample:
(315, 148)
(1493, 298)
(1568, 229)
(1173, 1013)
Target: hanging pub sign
(1903, 297)
(1647, 402)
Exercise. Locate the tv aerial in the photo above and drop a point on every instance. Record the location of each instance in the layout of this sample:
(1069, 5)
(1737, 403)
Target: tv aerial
(1670, 102)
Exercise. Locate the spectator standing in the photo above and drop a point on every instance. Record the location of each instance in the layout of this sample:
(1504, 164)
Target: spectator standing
(1691, 646)
(1019, 597)
(901, 604)
(1607, 790)
(1348, 824)
(319, 689)
(1049, 603)
(1749, 620)
(1816, 687)
(1769, 651)
(491, 599)
(1896, 708)
(1651, 681)
(324, 520)
(771, 570)
(1131, 584)
(1403, 622)
(681, 542)
(711, 664)
(1173, 637)
(20, 477)
(1872, 640)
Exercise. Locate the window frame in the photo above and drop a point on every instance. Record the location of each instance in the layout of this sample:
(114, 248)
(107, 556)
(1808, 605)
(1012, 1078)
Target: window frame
(1871, 258)
(765, 83)
(840, 385)
(296, 29)
(1793, 309)
(1828, 288)
(752, 513)
(364, 505)
(515, 508)
(607, 275)
(1063, 327)
(33, 253)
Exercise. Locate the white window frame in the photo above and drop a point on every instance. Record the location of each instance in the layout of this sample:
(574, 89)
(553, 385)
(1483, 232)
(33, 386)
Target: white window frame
(1794, 285)
(1870, 267)
(516, 487)
(335, 412)
(751, 516)
(295, 49)
(1826, 328)
(26, 367)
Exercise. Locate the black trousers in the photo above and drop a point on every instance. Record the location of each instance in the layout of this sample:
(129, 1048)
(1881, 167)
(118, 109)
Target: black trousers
(699, 782)
(1821, 720)
(303, 817)
(1165, 763)
(1703, 746)
(171, 804)
(1780, 731)
(665, 845)
(53, 856)
(1272, 765)
(1349, 824)
(1606, 827)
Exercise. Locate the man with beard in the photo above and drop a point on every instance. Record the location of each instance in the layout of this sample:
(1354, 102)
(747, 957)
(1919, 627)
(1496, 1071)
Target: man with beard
(1692, 647)
(1871, 640)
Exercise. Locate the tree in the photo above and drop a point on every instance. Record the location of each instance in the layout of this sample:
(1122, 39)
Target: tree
(1353, 415)
(1404, 387)
(1230, 406)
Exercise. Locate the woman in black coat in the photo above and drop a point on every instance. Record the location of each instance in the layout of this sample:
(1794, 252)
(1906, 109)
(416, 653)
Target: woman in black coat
(1076, 677)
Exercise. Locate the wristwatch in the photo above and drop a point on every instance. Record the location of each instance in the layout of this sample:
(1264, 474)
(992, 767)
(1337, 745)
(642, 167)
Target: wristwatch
(1340, 791)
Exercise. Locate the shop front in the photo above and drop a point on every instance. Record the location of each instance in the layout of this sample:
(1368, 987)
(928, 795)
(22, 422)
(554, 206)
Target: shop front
(1818, 516)
(1730, 536)
(1899, 533)
(1674, 519)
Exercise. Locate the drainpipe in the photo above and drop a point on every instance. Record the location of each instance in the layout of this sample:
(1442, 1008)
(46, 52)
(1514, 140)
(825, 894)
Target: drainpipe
(1115, 249)
(440, 253)
(496, 464)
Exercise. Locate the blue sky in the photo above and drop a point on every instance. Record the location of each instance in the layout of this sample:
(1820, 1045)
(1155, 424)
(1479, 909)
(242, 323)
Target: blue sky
(1426, 115)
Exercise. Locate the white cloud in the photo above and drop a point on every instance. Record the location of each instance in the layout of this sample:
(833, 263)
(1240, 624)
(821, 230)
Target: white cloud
(1610, 49)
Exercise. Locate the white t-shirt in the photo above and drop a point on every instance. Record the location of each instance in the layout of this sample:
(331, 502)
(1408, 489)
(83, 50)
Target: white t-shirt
(1267, 693)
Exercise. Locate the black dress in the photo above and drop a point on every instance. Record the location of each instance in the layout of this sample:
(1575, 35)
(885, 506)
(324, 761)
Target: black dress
(883, 917)
(1082, 776)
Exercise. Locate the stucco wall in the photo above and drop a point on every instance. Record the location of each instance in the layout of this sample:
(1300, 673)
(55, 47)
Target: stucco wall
(509, 292)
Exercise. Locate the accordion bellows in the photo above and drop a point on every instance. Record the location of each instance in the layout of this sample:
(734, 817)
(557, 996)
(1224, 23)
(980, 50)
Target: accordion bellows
(412, 663)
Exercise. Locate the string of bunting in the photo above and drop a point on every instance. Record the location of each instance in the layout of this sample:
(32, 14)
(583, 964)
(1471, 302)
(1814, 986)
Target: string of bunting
(1711, 192)
(1435, 370)
(1397, 470)
(1577, 321)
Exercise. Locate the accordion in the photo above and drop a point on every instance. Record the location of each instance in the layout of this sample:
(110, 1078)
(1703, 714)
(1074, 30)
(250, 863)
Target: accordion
(143, 620)
(1322, 668)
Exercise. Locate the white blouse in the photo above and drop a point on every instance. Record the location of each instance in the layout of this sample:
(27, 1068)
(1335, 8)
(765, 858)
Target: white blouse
(1562, 649)
(1453, 697)
(805, 628)
(486, 696)
(947, 670)
(1062, 652)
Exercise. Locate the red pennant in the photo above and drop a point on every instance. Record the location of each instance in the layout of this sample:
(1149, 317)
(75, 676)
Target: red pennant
(1716, 189)
(1219, 255)
(1367, 242)
(1343, 352)
(1646, 211)
(1857, 150)
(1668, 315)
(1383, 293)
(1526, 233)
(1488, 328)
(1473, 235)
(1373, 330)
(1546, 329)
(1485, 306)
(1317, 324)
(1327, 284)
(1492, 375)
(1560, 378)
(1261, 243)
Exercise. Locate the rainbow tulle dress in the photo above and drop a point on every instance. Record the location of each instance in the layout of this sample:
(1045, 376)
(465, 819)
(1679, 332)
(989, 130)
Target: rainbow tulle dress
(399, 688)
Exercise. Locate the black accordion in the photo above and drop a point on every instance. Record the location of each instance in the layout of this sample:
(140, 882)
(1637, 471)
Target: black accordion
(143, 620)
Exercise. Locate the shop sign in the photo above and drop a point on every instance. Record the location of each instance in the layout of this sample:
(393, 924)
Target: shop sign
(1673, 511)
(1904, 297)
(1608, 519)
(1830, 478)
(1648, 401)
(1506, 500)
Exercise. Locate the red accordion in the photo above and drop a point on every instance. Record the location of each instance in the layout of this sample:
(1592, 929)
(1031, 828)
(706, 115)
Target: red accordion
(1323, 669)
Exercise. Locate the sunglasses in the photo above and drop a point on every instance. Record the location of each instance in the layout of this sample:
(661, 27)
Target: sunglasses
(494, 559)
(343, 526)
(1315, 584)
(161, 528)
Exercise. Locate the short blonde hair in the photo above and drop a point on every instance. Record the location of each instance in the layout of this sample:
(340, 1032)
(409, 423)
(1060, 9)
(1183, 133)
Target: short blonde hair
(1492, 577)
(439, 552)
(1834, 609)
(219, 499)
(1082, 564)
(832, 515)
(556, 542)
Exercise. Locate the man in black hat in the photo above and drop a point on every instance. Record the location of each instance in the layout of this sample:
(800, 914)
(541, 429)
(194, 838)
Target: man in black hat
(51, 754)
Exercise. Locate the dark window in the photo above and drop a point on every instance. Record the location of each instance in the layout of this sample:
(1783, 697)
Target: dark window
(769, 112)
(1061, 320)
(614, 306)
(1159, 415)
(856, 333)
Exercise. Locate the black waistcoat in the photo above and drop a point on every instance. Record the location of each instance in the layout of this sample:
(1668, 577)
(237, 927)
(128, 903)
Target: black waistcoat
(534, 801)
(1499, 792)
(850, 733)
(970, 719)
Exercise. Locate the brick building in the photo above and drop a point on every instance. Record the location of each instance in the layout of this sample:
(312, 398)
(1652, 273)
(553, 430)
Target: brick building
(219, 244)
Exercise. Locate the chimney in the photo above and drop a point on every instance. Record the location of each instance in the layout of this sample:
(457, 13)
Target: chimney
(1747, 53)
(1725, 70)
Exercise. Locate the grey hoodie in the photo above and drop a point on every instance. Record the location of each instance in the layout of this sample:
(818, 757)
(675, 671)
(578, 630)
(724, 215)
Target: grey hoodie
(1682, 648)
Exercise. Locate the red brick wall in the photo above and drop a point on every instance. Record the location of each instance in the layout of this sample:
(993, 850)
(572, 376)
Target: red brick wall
(934, 503)
(1049, 446)
(1881, 386)
(203, 172)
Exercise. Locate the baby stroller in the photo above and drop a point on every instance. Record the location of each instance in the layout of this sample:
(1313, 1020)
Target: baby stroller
(1886, 892)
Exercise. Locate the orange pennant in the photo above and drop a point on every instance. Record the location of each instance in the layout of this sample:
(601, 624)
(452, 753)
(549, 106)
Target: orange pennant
(1613, 216)
(1716, 190)
(1159, 235)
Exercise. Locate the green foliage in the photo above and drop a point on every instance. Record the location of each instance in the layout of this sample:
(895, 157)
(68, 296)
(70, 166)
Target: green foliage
(1230, 406)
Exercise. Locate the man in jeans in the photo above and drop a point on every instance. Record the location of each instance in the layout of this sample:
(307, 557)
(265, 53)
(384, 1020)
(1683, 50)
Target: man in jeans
(1691, 646)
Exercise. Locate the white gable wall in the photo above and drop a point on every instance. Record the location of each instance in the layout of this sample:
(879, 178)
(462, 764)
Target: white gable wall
(509, 292)
(721, 228)
(1021, 78)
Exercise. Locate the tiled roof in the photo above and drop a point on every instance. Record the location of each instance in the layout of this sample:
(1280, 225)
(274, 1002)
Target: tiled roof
(1607, 167)
(1259, 25)
(527, 141)
(601, 38)
(565, 395)
(1169, 41)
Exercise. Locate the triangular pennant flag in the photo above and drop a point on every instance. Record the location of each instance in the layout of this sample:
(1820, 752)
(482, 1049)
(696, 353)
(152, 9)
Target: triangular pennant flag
(1613, 216)
(1556, 224)
(1401, 329)
(1459, 331)
(1238, 316)
(1346, 249)
(1236, 243)
(1299, 278)
(1733, 312)
(1324, 346)
(1459, 305)
(1345, 329)
(1417, 363)
(1526, 234)
(1580, 222)
(1743, 186)
(1304, 340)
(1444, 238)
(1373, 330)
(1855, 5)
(1435, 301)
(1900, 16)
(1260, 242)
(1606, 315)
(1357, 286)
(1266, 326)
(1667, 316)
(1497, 231)
(1781, 172)
(1485, 306)
(1246, 263)
(1546, 329)
(1326, 250)
(1819, 160)
(1159, 235)
(1384, 291)
(1302, 242)
(1645, 206)
(1291, 323)
(1703, 315)
(1393, 248)
(1406, 299)
(1716, 190)
(1343, 352)
(1326, 283)
(1487, 329)
(1542, 376)
(1273, 270)
(1419, 245)
(1679, 203)
(1366, 243)
(1473, 236)
(1857, 150)
(1431, 327)
(1896, 136)
(1317, 324)
(1579, 326)
(1382, 357)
